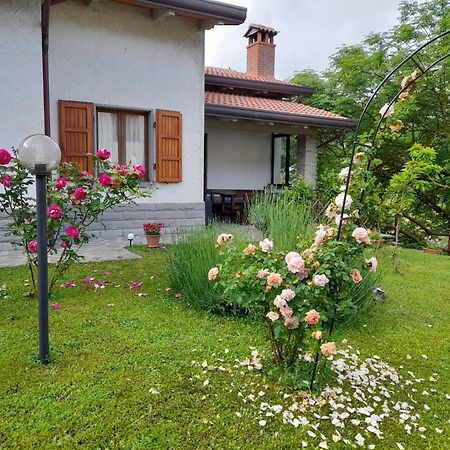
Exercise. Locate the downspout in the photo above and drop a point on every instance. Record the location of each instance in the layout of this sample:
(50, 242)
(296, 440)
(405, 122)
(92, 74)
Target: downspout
(45, 20)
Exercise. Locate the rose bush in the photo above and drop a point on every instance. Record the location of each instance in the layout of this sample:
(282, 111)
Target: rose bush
(301, 292)
(75, 201)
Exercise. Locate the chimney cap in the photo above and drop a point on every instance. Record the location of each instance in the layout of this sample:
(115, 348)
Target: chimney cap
(255, 28)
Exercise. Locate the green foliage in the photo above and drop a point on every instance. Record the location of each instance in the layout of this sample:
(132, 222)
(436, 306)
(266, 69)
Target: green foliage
(422, 115)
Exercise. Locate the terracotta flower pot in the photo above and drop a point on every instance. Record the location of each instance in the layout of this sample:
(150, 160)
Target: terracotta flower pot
(153, 240)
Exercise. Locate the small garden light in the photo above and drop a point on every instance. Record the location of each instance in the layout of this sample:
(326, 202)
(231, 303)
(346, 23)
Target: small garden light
(130, 238)
(41, 155)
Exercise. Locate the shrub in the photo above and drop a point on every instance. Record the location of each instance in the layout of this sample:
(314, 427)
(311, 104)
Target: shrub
(281, 218)
(75, 200)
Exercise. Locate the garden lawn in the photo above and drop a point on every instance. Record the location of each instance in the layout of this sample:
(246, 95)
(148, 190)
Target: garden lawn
(111, 346)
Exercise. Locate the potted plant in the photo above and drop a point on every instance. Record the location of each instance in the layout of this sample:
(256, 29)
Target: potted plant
(153, 234)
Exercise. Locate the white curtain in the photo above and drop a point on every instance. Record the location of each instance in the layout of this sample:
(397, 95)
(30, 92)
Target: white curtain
(108, 134)
(135, 136)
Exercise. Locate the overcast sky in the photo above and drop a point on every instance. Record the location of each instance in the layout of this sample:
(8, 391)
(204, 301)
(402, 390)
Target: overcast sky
(310, 31)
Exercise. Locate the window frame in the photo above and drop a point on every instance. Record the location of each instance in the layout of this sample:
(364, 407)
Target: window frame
(122, 113)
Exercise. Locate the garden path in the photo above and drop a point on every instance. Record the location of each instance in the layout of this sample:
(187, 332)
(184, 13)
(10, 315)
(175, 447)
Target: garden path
(97, 250)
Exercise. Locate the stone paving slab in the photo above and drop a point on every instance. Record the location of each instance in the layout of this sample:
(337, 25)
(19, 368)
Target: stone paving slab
(96, 250)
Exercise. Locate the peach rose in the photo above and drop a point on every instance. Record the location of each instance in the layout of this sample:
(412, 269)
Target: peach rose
(361, 235)
(272, 315)
(274, 279)
(249, 249)
(317, 335)
(291, 322)
(343, 174)
(358, 157)
(287, 294)
(312, 317)
(356, 276)
(224, 238)
(330, 212)
(212, 274)
(262, 274)
(320, 280)
(386, 110)
(328, 349)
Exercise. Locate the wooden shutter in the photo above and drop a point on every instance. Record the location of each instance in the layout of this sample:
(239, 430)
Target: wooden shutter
(168, 146)
(76, 133)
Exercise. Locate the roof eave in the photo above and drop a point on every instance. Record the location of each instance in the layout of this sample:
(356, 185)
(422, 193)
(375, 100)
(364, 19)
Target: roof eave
(256, 85)
(293, 119)
(218, 13)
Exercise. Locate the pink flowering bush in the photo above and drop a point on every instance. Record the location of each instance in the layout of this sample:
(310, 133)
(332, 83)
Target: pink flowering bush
(75, 200)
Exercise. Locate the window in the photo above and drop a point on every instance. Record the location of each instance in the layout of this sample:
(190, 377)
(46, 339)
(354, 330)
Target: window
(125, 135)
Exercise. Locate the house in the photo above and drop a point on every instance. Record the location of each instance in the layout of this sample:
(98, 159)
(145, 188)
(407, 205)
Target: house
(248, 115)
(128, 75)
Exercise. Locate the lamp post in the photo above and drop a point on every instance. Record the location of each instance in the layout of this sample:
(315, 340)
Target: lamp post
(41, 155)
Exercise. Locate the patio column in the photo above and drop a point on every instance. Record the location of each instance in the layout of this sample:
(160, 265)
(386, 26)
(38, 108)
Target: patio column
(307, 158)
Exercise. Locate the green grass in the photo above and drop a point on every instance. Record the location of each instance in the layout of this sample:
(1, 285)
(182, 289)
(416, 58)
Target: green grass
(95, 392)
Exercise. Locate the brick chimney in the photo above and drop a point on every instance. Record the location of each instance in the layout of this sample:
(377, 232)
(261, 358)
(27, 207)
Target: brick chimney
(260, 50)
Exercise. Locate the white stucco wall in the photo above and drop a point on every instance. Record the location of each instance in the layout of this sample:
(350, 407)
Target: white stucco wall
(117, 55)
(21, 111)
(238, 159)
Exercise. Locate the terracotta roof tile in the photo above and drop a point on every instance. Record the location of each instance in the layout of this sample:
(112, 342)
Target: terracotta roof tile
(267, 105)
(220, 72)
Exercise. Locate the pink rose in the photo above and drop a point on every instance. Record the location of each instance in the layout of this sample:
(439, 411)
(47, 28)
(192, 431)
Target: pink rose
(339, 200)
(372, 263)
(287, 294)
(86, 174)
(105, 180)
(64, 244)
(286, 311)
(266, 245)
(56, 305)
(250, 249)
(330, 212)
(321, 234)
(328, 349)
(138, 171)
(343, 174)
(263, 274)
(224, 238)
(79, 194)
(291, 322)
(6, 181)
(32, 246)
(73, 232)
(274, 279)
(320, 280)
(5, 157)
(295, 262)
(272, 315)
(361, 235)
(213, 273)
(103, 154)
(123, 170)
(54, 212)
(279, 302)
(386, 110)
(356, 276)
(312, 317)
(61, 183)
(345, 219)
